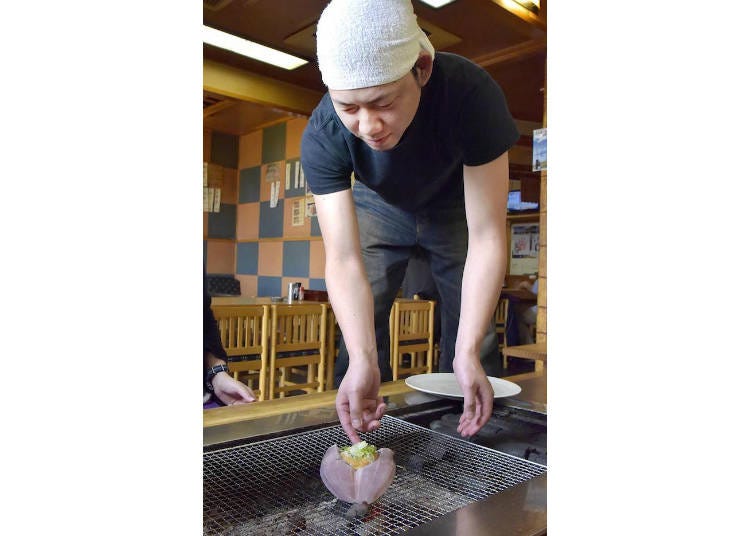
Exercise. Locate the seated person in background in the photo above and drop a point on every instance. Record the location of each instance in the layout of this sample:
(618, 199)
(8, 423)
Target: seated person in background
(526, 314)
(216, 373)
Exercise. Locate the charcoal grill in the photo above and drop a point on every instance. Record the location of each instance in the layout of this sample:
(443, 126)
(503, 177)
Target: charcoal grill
(273, 486)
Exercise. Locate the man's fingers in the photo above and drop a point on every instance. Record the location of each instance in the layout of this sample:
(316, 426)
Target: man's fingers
(468, 423)
(342, 409)
(355, 412)
(380, 411)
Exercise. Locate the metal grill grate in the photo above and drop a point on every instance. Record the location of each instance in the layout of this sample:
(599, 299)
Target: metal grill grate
(274, 486)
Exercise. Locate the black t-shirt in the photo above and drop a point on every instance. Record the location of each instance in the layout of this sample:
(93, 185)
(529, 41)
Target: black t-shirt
(462, 119)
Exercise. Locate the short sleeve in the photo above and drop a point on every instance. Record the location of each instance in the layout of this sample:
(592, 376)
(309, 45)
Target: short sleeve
(487, 129)
(325, 160)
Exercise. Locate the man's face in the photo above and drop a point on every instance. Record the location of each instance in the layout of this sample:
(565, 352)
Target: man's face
(379, 115)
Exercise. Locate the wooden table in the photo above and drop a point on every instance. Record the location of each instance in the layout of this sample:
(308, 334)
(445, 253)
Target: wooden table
(536, 351)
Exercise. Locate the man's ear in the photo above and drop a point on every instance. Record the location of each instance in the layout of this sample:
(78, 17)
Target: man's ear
(423, 68)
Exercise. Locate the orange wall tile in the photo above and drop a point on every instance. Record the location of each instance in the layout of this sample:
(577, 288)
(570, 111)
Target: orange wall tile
(205, 225)
(248, 284)
(220, 257)
(317, 259)
(290, 231)
(294, 130)
(248, 220)
(270, 258)
(230, 185)
(250, 150)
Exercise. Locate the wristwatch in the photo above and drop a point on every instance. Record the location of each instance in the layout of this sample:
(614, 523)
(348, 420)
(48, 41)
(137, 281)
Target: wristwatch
(213, 371)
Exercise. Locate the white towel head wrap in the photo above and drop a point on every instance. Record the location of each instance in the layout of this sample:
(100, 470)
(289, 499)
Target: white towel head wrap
(364, 43)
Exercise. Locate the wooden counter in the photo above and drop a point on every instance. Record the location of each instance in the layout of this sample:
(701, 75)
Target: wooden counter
(268, 408)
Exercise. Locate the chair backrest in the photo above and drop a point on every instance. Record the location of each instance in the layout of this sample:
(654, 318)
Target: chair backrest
(243, 330)
(299, 338)
(412, 331)
(415, 319)
(298, 327)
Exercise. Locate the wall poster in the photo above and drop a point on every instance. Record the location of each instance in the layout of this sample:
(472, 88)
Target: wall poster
(539, 150)
(524, 248)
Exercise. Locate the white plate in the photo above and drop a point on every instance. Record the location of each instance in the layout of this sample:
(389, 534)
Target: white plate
(445, 384)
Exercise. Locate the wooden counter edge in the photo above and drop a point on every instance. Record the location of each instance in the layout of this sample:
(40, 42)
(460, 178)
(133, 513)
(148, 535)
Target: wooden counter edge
(268, 408)
(536, 351)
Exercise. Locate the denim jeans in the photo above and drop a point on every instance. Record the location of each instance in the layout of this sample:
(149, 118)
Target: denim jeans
(388, 235)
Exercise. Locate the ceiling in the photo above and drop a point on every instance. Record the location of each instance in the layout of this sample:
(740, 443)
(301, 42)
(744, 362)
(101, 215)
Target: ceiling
(507, 40)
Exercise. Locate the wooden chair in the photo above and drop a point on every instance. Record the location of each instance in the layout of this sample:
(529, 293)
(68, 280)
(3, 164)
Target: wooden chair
(243, 330)
(501, 323)
(412, 333)
(298, 338)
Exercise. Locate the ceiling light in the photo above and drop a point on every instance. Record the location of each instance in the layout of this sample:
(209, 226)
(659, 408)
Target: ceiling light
(220, 39)
(531, 5)
(437, 3)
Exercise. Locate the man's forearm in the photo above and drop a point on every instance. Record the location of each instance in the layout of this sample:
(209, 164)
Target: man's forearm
(351, 299)
(483, 277)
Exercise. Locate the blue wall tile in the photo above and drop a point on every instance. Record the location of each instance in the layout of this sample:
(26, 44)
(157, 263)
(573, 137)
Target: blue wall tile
(225, 149)
(274, 143)
(296, 261)
(223, 224)
(271, 220)
(247, 258)
(314, 227)
(249, 185)
(269, 286)
(318, 284)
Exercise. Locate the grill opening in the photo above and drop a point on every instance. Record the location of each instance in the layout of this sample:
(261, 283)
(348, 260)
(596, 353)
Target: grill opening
(274, 487)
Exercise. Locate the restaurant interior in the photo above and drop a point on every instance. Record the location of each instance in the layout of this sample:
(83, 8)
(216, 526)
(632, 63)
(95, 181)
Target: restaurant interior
(254, 115)
(264, 258)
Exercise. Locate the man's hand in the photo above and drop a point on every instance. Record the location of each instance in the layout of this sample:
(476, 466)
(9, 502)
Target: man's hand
(230, 391)
(357, 403)
(478, 395)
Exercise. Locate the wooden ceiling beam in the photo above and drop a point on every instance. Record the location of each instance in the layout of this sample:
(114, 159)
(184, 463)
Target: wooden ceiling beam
(515, 52)
(246, 86)
(217, 107)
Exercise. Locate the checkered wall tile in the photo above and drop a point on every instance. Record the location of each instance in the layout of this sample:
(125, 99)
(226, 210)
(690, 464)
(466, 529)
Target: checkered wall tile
(269, 286)
(271, 220)
(274, 143)
(247, 258)
(249, 184)
(317, 284)
(224, 149)
(296, 259)
(262, 256)
(223, 224)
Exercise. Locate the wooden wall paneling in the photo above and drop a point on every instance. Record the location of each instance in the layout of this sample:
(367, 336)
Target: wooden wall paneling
(206, 145)
(541, 315)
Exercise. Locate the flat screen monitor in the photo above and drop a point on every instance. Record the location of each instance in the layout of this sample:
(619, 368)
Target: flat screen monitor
(516, 205)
